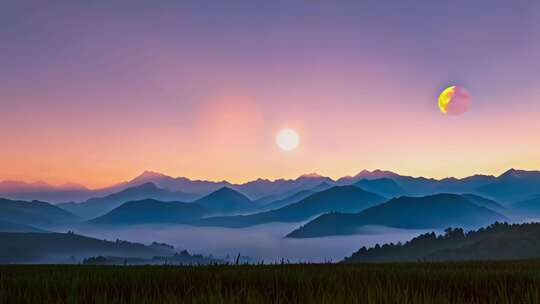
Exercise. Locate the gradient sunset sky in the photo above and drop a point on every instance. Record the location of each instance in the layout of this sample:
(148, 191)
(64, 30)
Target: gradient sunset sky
(96, 92)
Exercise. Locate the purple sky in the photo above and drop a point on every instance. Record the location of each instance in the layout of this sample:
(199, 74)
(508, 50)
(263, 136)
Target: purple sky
(97, 91)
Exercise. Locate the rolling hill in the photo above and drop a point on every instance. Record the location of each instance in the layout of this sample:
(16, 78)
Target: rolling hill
(14, 227)
(95, 207)
(274, 199)
(295, 198)
(151, 211)
(64, 247)
(433, 211)
(499, 241)
(528, 208)
(339, 198)
(487, 203)
(513, 186)
(226, 201)
(386, 187)
(34, 213)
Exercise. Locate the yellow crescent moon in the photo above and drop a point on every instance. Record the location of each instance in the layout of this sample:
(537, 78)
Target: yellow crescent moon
(445, 98)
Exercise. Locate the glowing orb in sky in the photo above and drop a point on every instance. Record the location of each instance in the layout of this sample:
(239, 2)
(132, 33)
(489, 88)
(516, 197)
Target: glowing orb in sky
(287, 139)
(454, 100)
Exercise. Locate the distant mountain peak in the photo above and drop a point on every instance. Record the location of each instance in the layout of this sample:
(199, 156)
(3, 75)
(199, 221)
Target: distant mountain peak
(377, 173)
(226, 193)
(149, 174)
(311, 175)
(260, 179)
(224, 200)
(367, 174)
(512, 172)
(509, 172)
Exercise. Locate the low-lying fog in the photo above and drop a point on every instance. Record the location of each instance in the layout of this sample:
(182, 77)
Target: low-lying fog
(261, 243)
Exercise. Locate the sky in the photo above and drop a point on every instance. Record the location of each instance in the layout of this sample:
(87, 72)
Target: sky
(95, 92)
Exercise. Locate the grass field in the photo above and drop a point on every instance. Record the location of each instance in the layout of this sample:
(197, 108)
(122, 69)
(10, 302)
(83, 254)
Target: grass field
(471, 282)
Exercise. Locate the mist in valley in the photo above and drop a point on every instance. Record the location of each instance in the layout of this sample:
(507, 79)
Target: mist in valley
(260, 243)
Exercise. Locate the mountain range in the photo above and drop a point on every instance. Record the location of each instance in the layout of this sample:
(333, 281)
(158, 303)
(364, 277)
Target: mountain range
(385, 186)
(511, 186)
(433, 211)
(338, 198)
(291, 199)
(21, 187)
(99, 206)
(351, 202)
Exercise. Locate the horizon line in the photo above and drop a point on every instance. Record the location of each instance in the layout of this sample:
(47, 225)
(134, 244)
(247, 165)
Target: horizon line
(65, 185)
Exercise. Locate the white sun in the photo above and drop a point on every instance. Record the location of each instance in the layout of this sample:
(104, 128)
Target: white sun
(287, 139)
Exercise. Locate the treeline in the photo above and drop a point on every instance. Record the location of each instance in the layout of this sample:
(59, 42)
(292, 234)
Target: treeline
(179, 258)
(499, 241)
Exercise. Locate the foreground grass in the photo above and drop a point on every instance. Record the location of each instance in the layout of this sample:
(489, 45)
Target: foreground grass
(474, 282)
